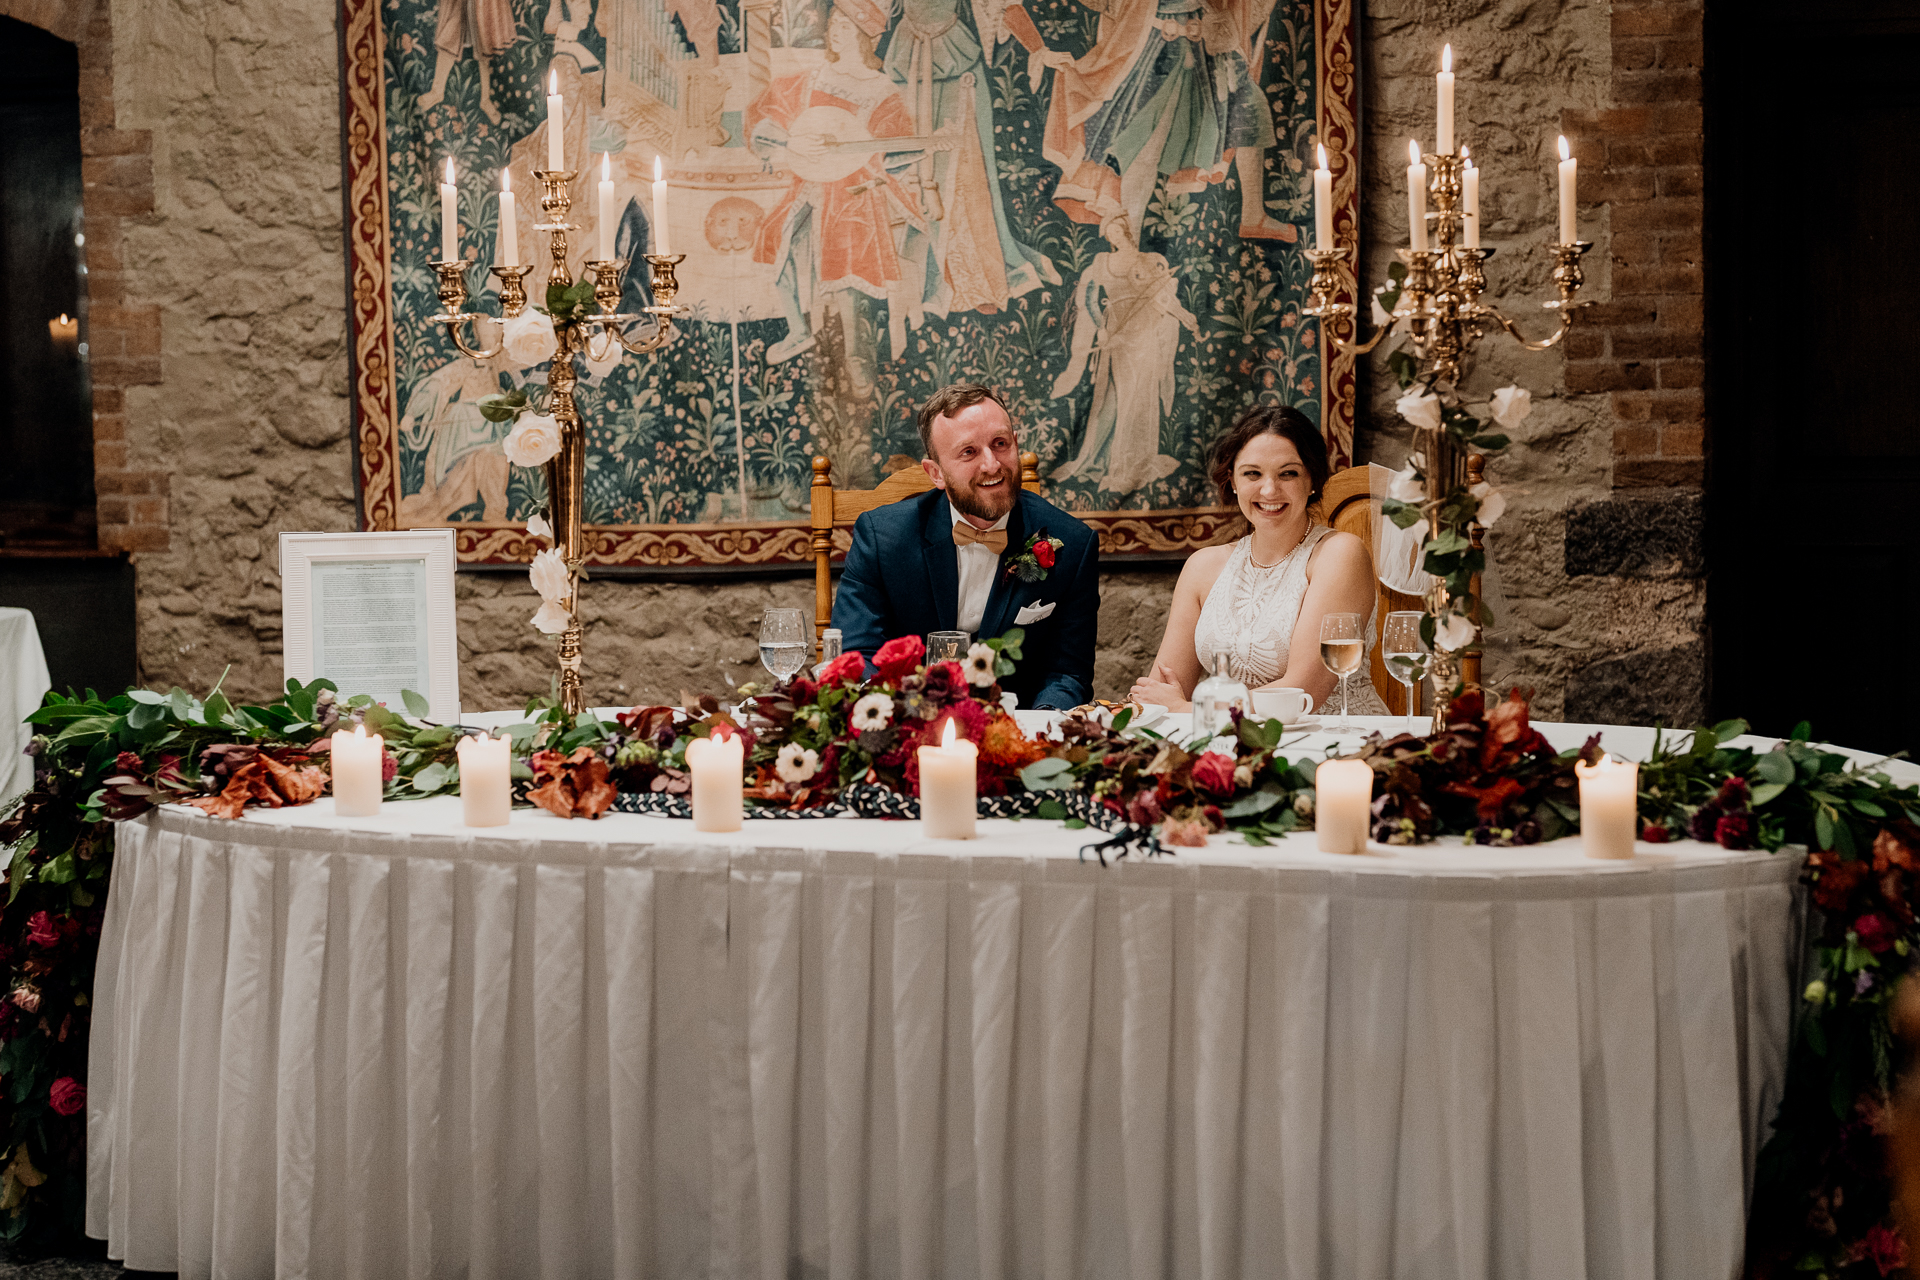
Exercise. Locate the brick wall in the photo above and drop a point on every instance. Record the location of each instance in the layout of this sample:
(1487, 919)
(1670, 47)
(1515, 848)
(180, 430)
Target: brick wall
(1645, 348)
(123, 341)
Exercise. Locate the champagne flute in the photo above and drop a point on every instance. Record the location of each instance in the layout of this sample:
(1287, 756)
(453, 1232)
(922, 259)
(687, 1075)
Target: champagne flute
(783, 643)
(1341, 649)
(1407, 656)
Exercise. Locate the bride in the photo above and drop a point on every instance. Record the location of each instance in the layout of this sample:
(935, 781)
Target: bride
(1252, 609)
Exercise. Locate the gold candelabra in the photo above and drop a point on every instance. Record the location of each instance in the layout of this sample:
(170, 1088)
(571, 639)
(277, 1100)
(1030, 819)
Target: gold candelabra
(1440, 306)
(592, 335)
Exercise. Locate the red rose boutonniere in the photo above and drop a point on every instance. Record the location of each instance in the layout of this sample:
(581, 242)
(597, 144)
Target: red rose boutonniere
(1033, 564)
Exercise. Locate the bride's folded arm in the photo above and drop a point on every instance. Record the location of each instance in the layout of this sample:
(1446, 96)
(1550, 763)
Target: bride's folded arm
(1339, 580)
(1176, 668)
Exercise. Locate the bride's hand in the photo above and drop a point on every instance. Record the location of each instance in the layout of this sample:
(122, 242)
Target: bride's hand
(1159, 687)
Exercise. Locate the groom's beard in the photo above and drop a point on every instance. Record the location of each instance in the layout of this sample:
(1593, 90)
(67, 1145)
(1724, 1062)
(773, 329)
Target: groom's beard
(988, 505)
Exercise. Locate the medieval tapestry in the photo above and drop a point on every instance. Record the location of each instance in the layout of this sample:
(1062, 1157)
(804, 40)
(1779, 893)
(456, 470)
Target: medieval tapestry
(1095, 206)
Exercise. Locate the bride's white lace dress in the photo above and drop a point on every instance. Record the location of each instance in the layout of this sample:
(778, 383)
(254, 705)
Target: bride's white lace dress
(1246, 624)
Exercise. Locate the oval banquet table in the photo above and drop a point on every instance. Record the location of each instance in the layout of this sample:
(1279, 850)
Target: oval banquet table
(394, 1046)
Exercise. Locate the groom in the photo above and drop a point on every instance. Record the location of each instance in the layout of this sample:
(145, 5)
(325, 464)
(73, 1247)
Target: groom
(947, 560)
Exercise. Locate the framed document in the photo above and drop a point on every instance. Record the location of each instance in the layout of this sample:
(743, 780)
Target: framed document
(373, 612)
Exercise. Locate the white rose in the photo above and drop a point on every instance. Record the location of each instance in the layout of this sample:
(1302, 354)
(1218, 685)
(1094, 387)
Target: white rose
(609, 361)
(1492, 502)
(1381, 316)
(533, 440)
(1407, 485)
(874, 711)
(979, 666)
(528, 338)
(549, 575)
(1510, 405)
(796, 763)
(1420, 407)
(537, 526)
(552, 618)
(1454, 632)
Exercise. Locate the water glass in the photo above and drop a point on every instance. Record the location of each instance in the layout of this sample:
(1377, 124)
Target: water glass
(783, 642)
(1407, 656)
(831, 646)
(946, 646)
(1342, 649)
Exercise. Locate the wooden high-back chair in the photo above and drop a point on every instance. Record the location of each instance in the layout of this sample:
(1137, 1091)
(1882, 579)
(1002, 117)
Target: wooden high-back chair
(839, 508)
(1348, 504)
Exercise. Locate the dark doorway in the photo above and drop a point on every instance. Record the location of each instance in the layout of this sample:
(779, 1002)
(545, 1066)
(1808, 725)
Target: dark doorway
(46, 420)
(1813, 213)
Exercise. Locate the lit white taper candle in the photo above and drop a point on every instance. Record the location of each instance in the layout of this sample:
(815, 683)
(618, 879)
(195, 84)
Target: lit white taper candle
(449, 217)
(1443, 124)
(556, 125)
(509, 226)
(1569, 229)
(1323, 204)
(1416, 199)
(662, 241)
(604, 209)
(715, 763)
(1609, 807)
(359, 760)
(486, 780)
(1470, 201)
(1342, 805)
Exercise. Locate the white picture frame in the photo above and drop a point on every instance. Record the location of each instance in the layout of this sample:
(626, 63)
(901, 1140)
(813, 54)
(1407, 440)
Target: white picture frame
(376, 646)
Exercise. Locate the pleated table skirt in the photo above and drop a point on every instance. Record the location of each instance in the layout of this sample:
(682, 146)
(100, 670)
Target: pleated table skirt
(834, 1049)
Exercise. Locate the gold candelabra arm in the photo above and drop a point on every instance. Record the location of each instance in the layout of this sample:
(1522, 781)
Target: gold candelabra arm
(1323, 288)
(1567, 278)
(606, 292)
(453, 301)
(513, 290)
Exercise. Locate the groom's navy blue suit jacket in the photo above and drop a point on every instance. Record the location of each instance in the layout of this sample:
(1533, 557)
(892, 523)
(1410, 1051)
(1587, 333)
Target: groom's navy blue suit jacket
(902, 579)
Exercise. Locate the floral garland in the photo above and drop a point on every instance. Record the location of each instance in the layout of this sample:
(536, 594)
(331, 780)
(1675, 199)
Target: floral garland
(1822, 1205)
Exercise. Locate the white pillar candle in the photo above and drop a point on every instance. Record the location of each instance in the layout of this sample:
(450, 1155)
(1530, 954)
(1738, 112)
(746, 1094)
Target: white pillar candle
(358, 763)
(1416, 199)
(1343, 805)
(1568, 166)
(715, 764)
(509, 227)
(486, 780)
(947, 777)
(662, 241)
(1609, 807)
(449, 217)
(1469, 202)
(556, 125)
(1443, 124)
(1323, 204)
(606, 206)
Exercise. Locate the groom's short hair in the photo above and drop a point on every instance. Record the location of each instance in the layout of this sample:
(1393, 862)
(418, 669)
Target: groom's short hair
(948, 401)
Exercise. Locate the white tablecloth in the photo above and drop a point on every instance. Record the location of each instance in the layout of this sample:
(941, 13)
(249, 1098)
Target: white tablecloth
(23, 684)
(339, 1047)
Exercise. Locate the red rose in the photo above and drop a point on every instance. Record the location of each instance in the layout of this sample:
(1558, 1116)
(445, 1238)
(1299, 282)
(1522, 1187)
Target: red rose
(1884, 1248)
(1875, 932)
(68, 1096)
(389, 766)
(900, 657)
(40, 930)
(1043, 553)
(848, 668)
(1214, 772)
(1655, 833)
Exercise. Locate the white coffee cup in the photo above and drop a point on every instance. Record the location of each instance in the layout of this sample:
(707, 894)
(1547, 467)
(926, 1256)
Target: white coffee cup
(1285, 705)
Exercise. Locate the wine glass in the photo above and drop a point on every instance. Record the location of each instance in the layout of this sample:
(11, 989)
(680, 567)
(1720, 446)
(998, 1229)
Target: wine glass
(946, 646)
(1341, 649)
(783, 642)
(1407, 656)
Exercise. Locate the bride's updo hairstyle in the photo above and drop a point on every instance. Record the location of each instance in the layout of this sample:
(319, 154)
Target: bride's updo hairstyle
(1274, 419)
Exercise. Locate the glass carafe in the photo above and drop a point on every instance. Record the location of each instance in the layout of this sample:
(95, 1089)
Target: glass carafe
(1213, 701)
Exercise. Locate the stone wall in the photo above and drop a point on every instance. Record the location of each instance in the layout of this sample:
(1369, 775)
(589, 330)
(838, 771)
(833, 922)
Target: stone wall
(246, 430)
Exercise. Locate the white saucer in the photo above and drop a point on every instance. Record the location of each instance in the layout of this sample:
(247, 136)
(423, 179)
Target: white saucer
(1305, 724)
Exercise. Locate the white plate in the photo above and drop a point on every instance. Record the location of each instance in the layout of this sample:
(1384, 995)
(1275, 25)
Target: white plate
(1151, 713)
(1306, 724)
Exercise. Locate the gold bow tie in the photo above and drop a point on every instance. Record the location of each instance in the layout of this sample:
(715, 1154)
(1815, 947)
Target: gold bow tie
(994, 540)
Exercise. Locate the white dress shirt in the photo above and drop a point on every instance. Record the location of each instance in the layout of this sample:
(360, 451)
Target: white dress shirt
(977, 565)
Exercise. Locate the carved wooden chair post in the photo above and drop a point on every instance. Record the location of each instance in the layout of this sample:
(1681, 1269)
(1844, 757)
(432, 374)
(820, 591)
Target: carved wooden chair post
(1348, 504)
(839, 508)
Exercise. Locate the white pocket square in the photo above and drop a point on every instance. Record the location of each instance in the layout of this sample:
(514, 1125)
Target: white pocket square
(1033, 613)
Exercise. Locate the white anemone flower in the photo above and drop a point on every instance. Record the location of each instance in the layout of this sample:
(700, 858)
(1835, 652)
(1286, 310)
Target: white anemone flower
(875, 711)
(979, 666)
(796, 763)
